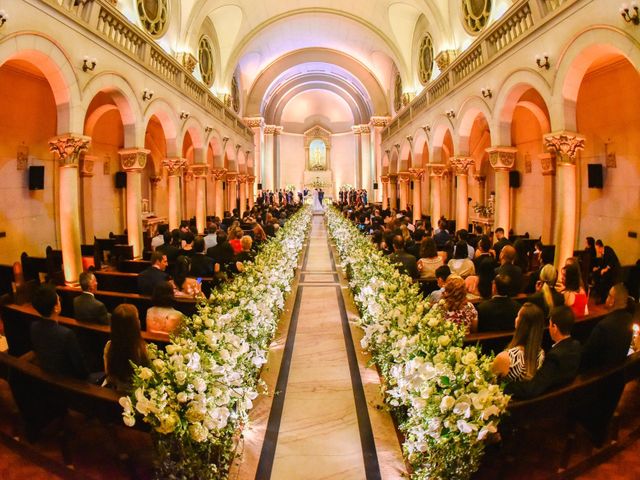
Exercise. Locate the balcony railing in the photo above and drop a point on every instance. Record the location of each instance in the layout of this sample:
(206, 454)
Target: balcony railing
(105, 21)
(518, 22)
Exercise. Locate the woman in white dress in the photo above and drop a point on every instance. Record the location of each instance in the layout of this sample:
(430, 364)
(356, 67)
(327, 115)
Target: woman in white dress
(317, 206)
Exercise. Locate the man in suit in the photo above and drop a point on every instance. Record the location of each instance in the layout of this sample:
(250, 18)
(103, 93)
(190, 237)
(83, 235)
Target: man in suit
(501, 241)
(56, 346)
(507, 267)
(500, 312)
(201, 264)
(222, 253)
(406, 262)
(561, 363)
(85, 306)
(153, 275)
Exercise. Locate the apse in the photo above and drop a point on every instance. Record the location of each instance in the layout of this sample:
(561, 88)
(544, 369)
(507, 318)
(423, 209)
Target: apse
(317, 107)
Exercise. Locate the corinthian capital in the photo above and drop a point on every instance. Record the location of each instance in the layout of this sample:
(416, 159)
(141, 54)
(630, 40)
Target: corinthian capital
(174, 165)
(565, 145)
(416, 173)
(437, 169)
(68, 148)
(199, 170)
(461, 164)
(133, 158)
(502, 158)
(254, 122)
(404, 177)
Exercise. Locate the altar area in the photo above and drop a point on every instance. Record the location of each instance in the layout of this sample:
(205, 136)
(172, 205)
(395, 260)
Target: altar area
(317, 172)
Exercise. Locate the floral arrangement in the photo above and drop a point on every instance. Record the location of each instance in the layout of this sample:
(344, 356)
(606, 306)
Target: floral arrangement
(197, 393)
(346, 187)
(485, 211)
(443, 395)
(291, 188)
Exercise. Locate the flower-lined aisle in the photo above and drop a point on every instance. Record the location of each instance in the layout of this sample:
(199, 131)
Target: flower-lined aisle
(197, 393)
(443, 395)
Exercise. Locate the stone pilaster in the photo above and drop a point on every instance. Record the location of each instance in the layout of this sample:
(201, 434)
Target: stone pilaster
(416, 176)
(461, 168)
(502, 160)
(384, 179)
(232, 190)
(218, 191)
(87, 163)
(199, 172)
(242, 193)
(393, 190)
(403, 184)
(133, 161)
(251, 179)
(437, 172)
(174, 167)
(268, 177)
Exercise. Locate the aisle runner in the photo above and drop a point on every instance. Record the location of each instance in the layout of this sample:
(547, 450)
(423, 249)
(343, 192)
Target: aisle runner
(319, 425)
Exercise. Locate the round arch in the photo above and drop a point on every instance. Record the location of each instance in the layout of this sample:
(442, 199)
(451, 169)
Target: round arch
(469, 111)
(167, 117)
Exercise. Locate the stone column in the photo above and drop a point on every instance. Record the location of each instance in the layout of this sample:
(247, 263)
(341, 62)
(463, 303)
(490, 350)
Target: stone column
(365, 159)
(416, 175)
(232, 190)
(403, 183)
(218, 192)
(277, 166)
(268, 178)
(502, 159)
(358, 156)
(461, 166)
(174, 168)
(242, 188)
(377, 124)
(393, 190)
(548, 163)
(257, 125)
(87, 163)
(250, 186)
(68, 148)
(437, 171)
(133, 161)
(153, 192)
(566, 146)
(481, 183)
(199, 172)
(385, 191)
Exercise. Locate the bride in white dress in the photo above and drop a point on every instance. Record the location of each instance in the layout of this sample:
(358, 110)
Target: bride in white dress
(317, 206)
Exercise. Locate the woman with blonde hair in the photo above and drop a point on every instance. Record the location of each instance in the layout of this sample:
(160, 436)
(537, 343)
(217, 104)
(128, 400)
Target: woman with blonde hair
(546, 296)
(524, 355)
(457, 308)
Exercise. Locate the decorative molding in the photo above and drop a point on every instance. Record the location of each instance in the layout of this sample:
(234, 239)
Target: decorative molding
(502, 158)
(87, 163)
(133, 158)
(384, 178)
(417, 173)
(270, 129)
(404, 177)
(365, 129)
(199, 170)
(548, 163)
(254, 122)
(174, 165)
(445, 57)
(188, 61)
(68, 148)
(218, 173)
(565, 145)
(461, 164)
(437, 169)
(380, 121)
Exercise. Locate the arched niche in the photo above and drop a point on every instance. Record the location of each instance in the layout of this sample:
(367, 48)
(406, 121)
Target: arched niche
(313, 138)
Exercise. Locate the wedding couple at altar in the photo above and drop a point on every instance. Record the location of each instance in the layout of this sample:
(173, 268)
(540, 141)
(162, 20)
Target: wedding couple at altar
(318, 197)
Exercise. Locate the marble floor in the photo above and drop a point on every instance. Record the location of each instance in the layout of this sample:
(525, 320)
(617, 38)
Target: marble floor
(322, 417)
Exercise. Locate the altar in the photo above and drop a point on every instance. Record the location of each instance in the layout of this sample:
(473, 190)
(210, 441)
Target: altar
(317, 171)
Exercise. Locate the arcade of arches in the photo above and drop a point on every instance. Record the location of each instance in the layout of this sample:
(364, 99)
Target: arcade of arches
(410, 99)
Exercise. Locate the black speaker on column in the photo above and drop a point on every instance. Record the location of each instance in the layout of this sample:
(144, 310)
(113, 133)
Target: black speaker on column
(121, 179)
(411, 184)
(596, 179)
(224, 185)
(375, 185)
(36, 177)
(514, 179)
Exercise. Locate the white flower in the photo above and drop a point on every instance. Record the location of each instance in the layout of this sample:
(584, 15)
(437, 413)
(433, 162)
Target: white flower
(158, 365)
(486, 430)
(199, 384)
(172, 348)
(490, 411)
(447, 403)
(125, 403)
(145, 373)
(470, 358)
(182, 397)
(444, 340)
(466, 427)
(181, 377)
(463, 409)
(129, 420)
(198, 432)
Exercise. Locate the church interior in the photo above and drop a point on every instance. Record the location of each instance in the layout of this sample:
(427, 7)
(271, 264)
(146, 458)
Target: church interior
(285, 169)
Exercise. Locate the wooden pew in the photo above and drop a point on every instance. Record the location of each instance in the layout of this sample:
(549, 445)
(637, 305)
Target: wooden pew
(133, 266)
(113, 281)
(6, 279)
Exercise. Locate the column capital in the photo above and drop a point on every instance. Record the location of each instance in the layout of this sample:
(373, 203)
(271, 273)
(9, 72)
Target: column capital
(242, 178)
(379, 122)
(384, 178)
(278, 130)
(356, 129)
(461, 164)
(565, 145)
(251, 178)
(174, 165)
(232, 177)
(404, 177)
(132, 159)
(502, 157)
(68, 148)
(393, 176)
(218, 173)
(437, 169)
(199, 170)
(254, 122)
(365, 129)
(417, 173)
(548, 163)
(87, 163)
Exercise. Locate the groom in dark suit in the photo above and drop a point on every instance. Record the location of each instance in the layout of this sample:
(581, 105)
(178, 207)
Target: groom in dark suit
(561, 363)
(320, 196)
(86, 308)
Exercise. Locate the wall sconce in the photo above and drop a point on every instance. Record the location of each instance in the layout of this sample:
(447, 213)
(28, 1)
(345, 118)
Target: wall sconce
(486, 93)
(450, 114)
(88, 65)
(630, 15)
(147, 95)
(543, 64)
(208, 129)
(3, 17)
(184, 115)
(427, 129)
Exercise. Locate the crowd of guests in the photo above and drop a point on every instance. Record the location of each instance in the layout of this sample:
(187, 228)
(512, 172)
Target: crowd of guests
(455, 268)
(179, 261)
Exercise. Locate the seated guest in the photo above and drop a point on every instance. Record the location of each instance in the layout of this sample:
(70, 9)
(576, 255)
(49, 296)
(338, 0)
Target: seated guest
(524, 355)
(574, 294)
(158, 239)
(222, 253)
(482, 252)
(610, 339)
(153, 275)
(457, 309)
(56, 346)
(162, 317)
(442, 273)
(125, 346)
(187, 245)
(235, 234)
(500, 312)
(543, 257)
(460, 264)
(507, 257)
(429, 259)
(259, 237)
(85, 306)
(185, 286)
(501, 241)
(522, 255)
(201, 265)
(463, 236)
(481, 284)
(546, 296)
(210, 239)
(406, 262)
(246, 255)
(171, 245)
(561, 363)
(441, 235)
(605, 270)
